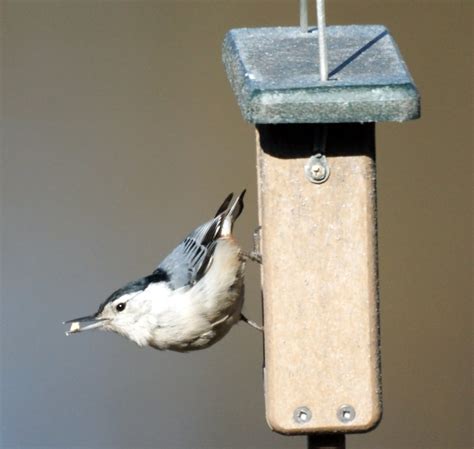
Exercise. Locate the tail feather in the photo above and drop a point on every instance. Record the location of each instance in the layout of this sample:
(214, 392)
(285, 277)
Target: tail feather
(234, 213)
(223, 207)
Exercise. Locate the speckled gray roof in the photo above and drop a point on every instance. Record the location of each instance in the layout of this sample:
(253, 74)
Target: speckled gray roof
(274, 73)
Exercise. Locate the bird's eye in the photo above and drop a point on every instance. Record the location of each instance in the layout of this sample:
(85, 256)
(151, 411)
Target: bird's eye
(120, 306)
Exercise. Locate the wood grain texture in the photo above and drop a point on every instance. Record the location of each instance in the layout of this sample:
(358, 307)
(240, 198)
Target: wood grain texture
(319, 278)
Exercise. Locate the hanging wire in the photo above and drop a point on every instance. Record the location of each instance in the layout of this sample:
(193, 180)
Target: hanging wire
(304, 16)
(323, 56)
(320, 138)
(321, 17)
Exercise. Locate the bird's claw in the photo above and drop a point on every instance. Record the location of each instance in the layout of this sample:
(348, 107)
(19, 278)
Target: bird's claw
(251, 323)
(255, 255)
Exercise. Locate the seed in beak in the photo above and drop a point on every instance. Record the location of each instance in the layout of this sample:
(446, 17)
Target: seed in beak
(80, 324)
(75, 326)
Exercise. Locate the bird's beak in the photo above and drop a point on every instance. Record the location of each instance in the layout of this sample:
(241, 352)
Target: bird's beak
(85, 323)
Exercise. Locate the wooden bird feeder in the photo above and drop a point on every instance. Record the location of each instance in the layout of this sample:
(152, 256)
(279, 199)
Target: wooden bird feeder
(315, 121)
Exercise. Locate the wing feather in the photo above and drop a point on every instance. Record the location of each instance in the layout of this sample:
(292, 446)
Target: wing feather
(189, 261)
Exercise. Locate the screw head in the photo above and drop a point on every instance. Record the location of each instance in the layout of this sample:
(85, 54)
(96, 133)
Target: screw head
(302, 415)
(346, 413)
(317, 169)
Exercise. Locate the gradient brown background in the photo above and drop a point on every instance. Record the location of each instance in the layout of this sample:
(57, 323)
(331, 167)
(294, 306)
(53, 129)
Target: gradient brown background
(120, 134)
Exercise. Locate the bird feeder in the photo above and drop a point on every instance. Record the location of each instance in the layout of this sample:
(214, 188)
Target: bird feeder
(315, 122)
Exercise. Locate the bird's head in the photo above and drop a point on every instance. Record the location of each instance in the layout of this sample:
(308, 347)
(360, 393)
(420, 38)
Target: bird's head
(126, 312)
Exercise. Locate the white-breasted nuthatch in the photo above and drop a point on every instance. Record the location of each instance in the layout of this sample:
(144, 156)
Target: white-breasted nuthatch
(193, 297)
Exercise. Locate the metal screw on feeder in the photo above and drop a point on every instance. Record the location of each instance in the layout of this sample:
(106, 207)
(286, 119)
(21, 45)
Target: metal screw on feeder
(346, 413)
(321, 345)
(316, 168)
(302, 415)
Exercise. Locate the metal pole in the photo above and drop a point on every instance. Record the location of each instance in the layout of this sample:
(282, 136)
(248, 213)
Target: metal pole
(323, 57)
(304, 16)
(327, 441)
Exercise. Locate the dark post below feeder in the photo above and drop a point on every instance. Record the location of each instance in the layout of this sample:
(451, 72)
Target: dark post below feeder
(317, 208)
(327, 441)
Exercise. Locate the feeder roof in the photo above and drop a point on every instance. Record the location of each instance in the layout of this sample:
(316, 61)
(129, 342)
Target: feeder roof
(274, 73)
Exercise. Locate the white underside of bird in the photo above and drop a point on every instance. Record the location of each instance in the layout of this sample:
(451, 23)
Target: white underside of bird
(187, 319)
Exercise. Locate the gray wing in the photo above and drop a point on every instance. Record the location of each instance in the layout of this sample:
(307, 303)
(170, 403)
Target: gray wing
(188, 262)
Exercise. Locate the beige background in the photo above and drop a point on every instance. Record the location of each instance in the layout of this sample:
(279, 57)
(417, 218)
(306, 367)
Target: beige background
(120, 134)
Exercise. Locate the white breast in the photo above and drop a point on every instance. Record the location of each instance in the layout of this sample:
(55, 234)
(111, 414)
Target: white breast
(196, 317)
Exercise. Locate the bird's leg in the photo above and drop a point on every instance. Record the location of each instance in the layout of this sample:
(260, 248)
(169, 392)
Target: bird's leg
(255, 254)
(251, 323)
(256, 257)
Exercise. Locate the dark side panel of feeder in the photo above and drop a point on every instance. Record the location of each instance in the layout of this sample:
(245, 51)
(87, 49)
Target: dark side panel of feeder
(274, 73)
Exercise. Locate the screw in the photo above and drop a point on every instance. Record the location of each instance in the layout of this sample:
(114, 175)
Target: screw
(346, 413)
(317, 169)
(302, 415)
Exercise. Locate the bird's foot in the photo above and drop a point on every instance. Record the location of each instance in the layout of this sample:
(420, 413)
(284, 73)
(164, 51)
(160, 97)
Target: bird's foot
(251, 323)
(255, 255)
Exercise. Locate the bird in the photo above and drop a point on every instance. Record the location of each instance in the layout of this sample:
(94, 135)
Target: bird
(191, 300)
